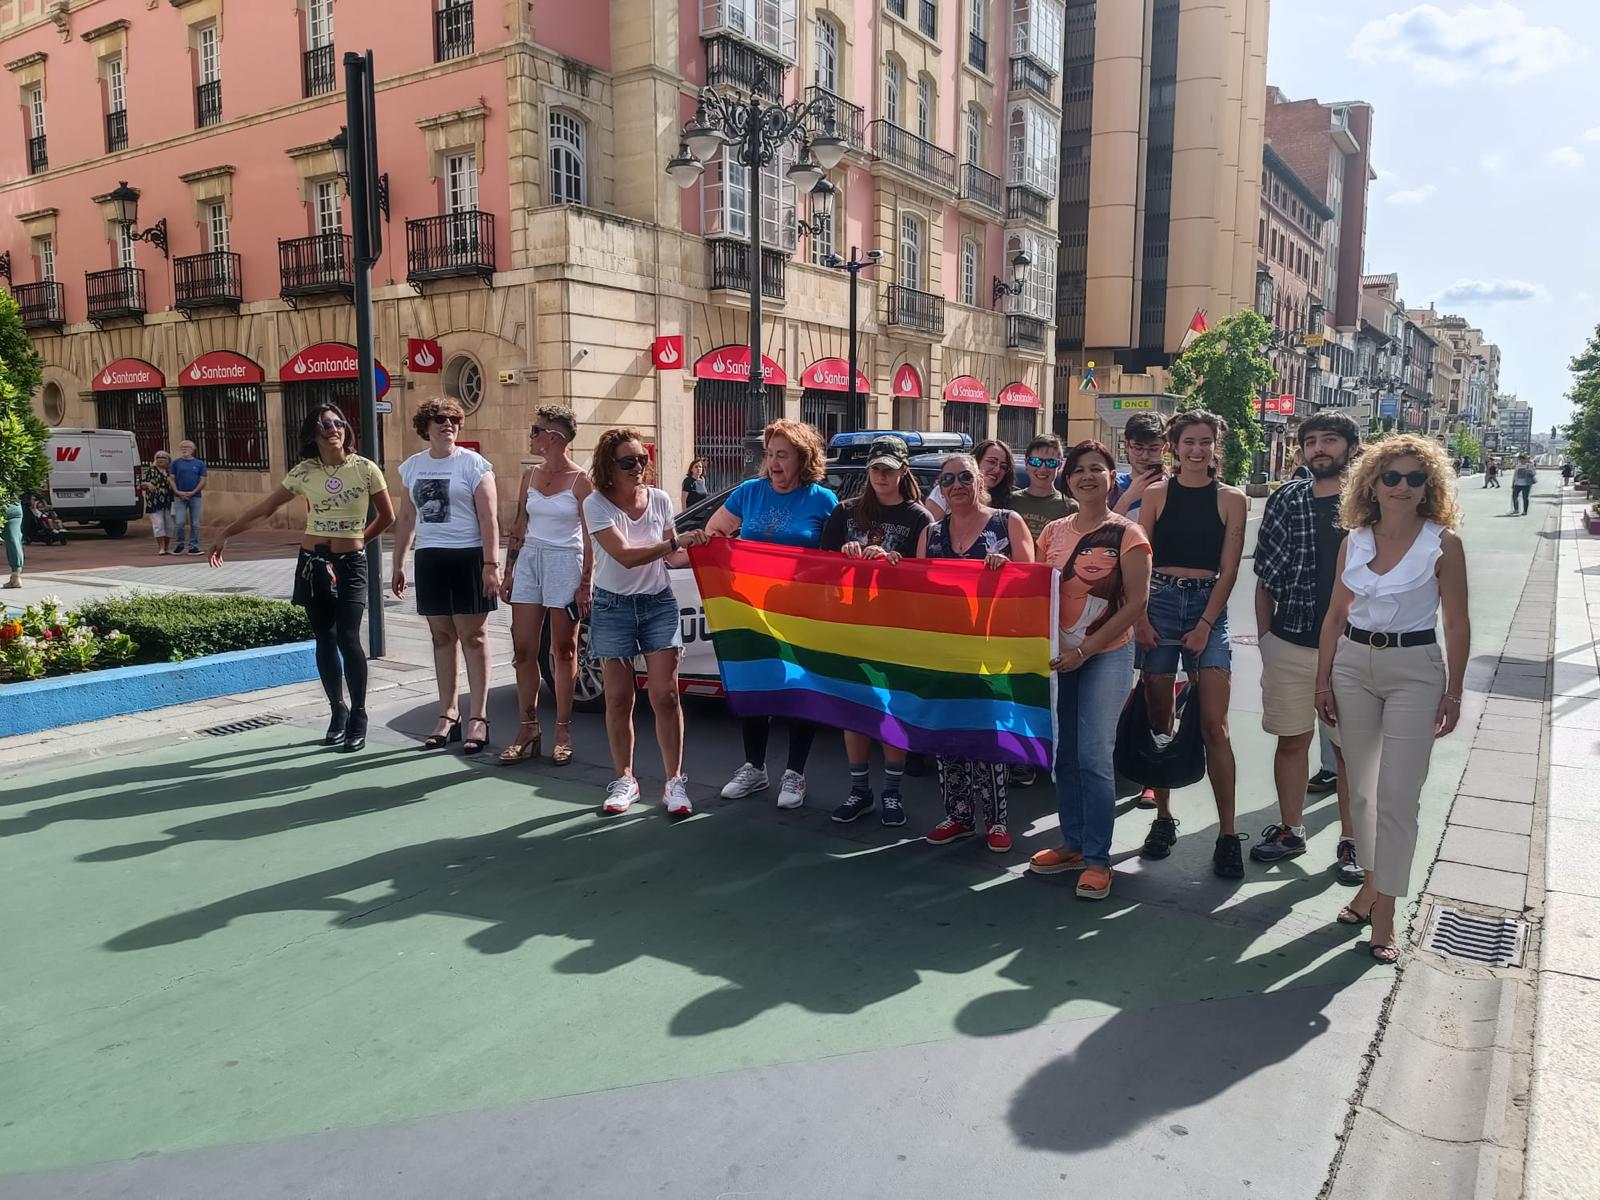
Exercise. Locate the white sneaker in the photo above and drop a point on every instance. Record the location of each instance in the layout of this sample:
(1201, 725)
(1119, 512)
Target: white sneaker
(676, 797)
(746, 781)
(793, 792)
(620, 795)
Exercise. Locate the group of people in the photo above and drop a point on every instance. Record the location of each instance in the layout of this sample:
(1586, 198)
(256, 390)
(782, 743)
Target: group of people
(1354, 565)
(171, 490)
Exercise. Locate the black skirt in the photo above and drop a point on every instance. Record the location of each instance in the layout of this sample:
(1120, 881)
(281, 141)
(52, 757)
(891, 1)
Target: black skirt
(450, 582)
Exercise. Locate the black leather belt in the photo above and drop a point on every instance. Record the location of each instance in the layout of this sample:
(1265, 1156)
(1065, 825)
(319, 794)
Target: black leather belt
(1190, 582)
(1385, 641)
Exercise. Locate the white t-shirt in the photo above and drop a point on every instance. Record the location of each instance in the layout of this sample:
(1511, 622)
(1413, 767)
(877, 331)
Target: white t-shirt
(443, 491)
(653, 526)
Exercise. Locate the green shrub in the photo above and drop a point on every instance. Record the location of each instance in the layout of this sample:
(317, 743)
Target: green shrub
(178, 626)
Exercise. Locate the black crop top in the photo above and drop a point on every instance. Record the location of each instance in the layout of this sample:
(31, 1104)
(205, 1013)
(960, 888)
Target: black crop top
(1189, 531)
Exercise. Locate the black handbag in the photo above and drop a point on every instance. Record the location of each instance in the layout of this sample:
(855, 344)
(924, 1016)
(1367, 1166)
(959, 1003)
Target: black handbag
(1158, 760)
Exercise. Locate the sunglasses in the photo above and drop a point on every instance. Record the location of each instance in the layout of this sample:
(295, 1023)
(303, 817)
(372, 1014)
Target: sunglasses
(330, 424)
(1035, 460)
(951, 478)
(446, 419)
(631, 462)
(1413, 478)
(540, 431)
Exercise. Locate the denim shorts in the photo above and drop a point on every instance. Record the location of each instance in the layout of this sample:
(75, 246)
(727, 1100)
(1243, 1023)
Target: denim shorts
(624, 626)
(1174, 611)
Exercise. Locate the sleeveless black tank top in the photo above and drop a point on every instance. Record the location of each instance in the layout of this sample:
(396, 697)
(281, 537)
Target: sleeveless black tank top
(1189, 531)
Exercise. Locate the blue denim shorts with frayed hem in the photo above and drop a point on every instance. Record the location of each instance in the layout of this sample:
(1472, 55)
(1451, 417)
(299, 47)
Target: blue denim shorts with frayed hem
(622, 626)
(1174, 611)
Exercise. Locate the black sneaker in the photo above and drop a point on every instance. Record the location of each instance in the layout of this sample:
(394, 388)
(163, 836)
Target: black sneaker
(1322, 783)
(1019, 776)
(1349, 870)
(891, 811)
(1226, 860)
(1158, 842)
(1277, 843)
(856, 804)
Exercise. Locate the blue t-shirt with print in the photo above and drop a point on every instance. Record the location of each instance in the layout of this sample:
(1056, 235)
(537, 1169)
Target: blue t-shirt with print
(793, 518)
(186, 473)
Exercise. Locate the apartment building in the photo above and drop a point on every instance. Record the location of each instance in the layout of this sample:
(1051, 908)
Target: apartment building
(1162, 129)
(535, 250)
(1395, 357)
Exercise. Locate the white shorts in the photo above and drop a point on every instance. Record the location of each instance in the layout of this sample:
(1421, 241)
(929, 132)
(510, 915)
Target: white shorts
(547, 575)
(161, 522)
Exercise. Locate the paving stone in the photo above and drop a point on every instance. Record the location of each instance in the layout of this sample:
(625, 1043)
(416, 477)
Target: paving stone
(1478, 813)
(1567, 1041)
(1574, 794)
(1571, 712)
(1479, 885)
(1563, 1153)
(1493, 785)
(1512, 706)
(1499, 762)
(1524, 739)
(1570, 680)
(1571, 747)
(1486, 847)
(1412, 1167)
(1571, 942)
(1569, 857)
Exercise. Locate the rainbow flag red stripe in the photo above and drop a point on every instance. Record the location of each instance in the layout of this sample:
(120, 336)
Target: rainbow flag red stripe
(934, 656)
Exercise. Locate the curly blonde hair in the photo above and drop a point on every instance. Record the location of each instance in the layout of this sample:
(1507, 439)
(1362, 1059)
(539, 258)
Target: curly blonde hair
(443, 406)
(1359, 508)
(806, 440)
(603, 466)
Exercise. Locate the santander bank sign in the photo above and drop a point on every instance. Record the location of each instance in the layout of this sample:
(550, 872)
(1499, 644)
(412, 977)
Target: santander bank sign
(127, 375)
(220, 367)
(325, 360)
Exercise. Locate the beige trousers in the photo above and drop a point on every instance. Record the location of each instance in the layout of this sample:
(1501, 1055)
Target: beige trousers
(1388, 703)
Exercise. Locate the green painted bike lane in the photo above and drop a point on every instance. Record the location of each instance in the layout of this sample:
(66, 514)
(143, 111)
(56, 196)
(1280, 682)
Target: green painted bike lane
(235, 940)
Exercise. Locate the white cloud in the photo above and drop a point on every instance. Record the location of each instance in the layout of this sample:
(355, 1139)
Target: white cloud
(1411, 197)
(1565, 156)
(1493, 163)
(1490, 291)
(1484, 43)
(1581, 297)
(1592, 135)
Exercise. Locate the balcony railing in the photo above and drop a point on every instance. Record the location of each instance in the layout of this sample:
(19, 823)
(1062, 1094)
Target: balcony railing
(452, 31)
(211, 280)
(736, 64)
(1029, 76)
(848, 120)
(730, 269)
(977, 52)
(1024, 333)
(118, 292)
(910, 153)
(980, 187)
(449, 246)
(1024, 204)
(897, 7)
(116, 131)
(41, 305)
(38, 156)
(928, 18)
(911, 309)
(320, 265)
(317, 71)
(208, 104)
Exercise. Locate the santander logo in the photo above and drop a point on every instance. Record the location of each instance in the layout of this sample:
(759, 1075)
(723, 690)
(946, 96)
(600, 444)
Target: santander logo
(424, 359)
(669, 354)
(720, 367)
(905, 381)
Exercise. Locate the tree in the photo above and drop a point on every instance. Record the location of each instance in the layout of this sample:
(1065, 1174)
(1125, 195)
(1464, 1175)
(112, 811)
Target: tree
(23, 465)
(1223, 371)
(1468, 446)
(1583, 447)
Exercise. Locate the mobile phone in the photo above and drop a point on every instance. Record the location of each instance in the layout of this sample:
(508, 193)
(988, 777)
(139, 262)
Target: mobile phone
(572, 610)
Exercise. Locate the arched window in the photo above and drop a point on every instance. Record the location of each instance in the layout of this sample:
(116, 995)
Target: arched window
(926, 107)
(825, 54)
(969, 271)
(911, 243)
(975, 124)
(893, 81)
(568, 159)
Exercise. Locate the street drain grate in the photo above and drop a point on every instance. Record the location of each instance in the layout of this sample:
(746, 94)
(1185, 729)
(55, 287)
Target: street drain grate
(261, 722)
(1492, 941)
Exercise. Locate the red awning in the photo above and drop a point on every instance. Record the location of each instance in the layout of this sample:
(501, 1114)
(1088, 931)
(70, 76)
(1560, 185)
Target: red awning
(965, 389)
(907, 383)
(733, 363)
(220, 367)
(325, 360)
(1019, 395)
(829, 375)
(128, 375)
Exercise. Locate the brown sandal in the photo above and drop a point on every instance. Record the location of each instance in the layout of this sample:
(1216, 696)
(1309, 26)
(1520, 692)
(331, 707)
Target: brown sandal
(562, 755)
(1349, 916)
(520, 750)
(1389, 955)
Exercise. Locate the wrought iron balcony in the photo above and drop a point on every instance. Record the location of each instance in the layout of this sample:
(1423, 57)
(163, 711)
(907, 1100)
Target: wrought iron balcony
(318, 74)
(41, 305)
(452, 31)
(450, 246)
(1028, 76)
(211, 280)
(895, 146)
(1024, 333)
(38, 155)
(1025, 204)
(911, 309)
(321, 265)
(208, 104)
(848, 120)
(977, 52)
(730, 269)
(736, 64)
(116, 131)
(118, 292)
(980, 187)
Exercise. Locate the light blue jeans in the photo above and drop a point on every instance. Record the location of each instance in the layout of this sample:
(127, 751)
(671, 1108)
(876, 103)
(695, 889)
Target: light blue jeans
(181, 509)
(1088, 703)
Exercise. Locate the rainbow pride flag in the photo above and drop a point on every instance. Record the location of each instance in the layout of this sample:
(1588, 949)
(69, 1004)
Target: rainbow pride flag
(935, 656)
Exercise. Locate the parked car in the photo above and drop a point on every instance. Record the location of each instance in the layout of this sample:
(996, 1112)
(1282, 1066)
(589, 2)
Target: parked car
(92, 478)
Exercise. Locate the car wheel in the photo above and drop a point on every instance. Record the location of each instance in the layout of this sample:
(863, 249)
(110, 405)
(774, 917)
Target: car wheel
(114, 529)
(588, 693)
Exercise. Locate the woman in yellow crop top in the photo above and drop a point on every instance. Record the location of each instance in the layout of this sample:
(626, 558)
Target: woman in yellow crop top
(330, 580)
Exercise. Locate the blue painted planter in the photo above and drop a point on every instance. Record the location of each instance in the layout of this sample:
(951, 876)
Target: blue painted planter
(94, 695)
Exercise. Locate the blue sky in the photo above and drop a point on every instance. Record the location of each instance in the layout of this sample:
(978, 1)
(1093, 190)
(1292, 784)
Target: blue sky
(1486, 139)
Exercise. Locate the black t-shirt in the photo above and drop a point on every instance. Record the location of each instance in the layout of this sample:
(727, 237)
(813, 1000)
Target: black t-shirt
(897, 529)
(696, 489)
(1329, 537)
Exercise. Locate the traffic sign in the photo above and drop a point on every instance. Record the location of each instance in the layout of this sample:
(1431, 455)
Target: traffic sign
(382, 378)
(383, 407)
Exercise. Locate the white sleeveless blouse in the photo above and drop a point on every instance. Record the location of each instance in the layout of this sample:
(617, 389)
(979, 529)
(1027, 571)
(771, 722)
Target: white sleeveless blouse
(1406, 598)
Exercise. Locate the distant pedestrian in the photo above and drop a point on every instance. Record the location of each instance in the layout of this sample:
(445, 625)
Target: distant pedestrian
(11, 519)
(695, 487)
(1522, 481)
(1380, 676)
(155, 485)
(188, 481)
(1566, 474)
(330, 576)
(1491, 474)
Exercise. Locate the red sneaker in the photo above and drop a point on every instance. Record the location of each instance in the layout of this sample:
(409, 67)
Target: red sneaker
(948, 831)
(999, 839)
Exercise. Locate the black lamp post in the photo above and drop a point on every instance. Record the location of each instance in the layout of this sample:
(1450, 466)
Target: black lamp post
(339, 143)
(756, 129)
(1020, 262)
(126, 200)
(855, 266)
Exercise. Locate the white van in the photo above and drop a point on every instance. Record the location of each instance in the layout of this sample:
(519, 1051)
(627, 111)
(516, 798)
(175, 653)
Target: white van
(93, 477)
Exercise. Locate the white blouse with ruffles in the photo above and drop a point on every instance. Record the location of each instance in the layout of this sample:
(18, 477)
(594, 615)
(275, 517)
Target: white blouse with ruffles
(1405, 599)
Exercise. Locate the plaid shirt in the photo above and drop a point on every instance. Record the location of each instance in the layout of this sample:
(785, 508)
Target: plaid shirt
(1286, 555)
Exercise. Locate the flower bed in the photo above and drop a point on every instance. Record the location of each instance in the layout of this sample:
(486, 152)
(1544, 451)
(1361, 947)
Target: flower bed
(48, 640)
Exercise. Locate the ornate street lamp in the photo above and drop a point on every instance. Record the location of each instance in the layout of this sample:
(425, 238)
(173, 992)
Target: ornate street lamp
(339, 143)
(126, 200)
(1020, 262)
